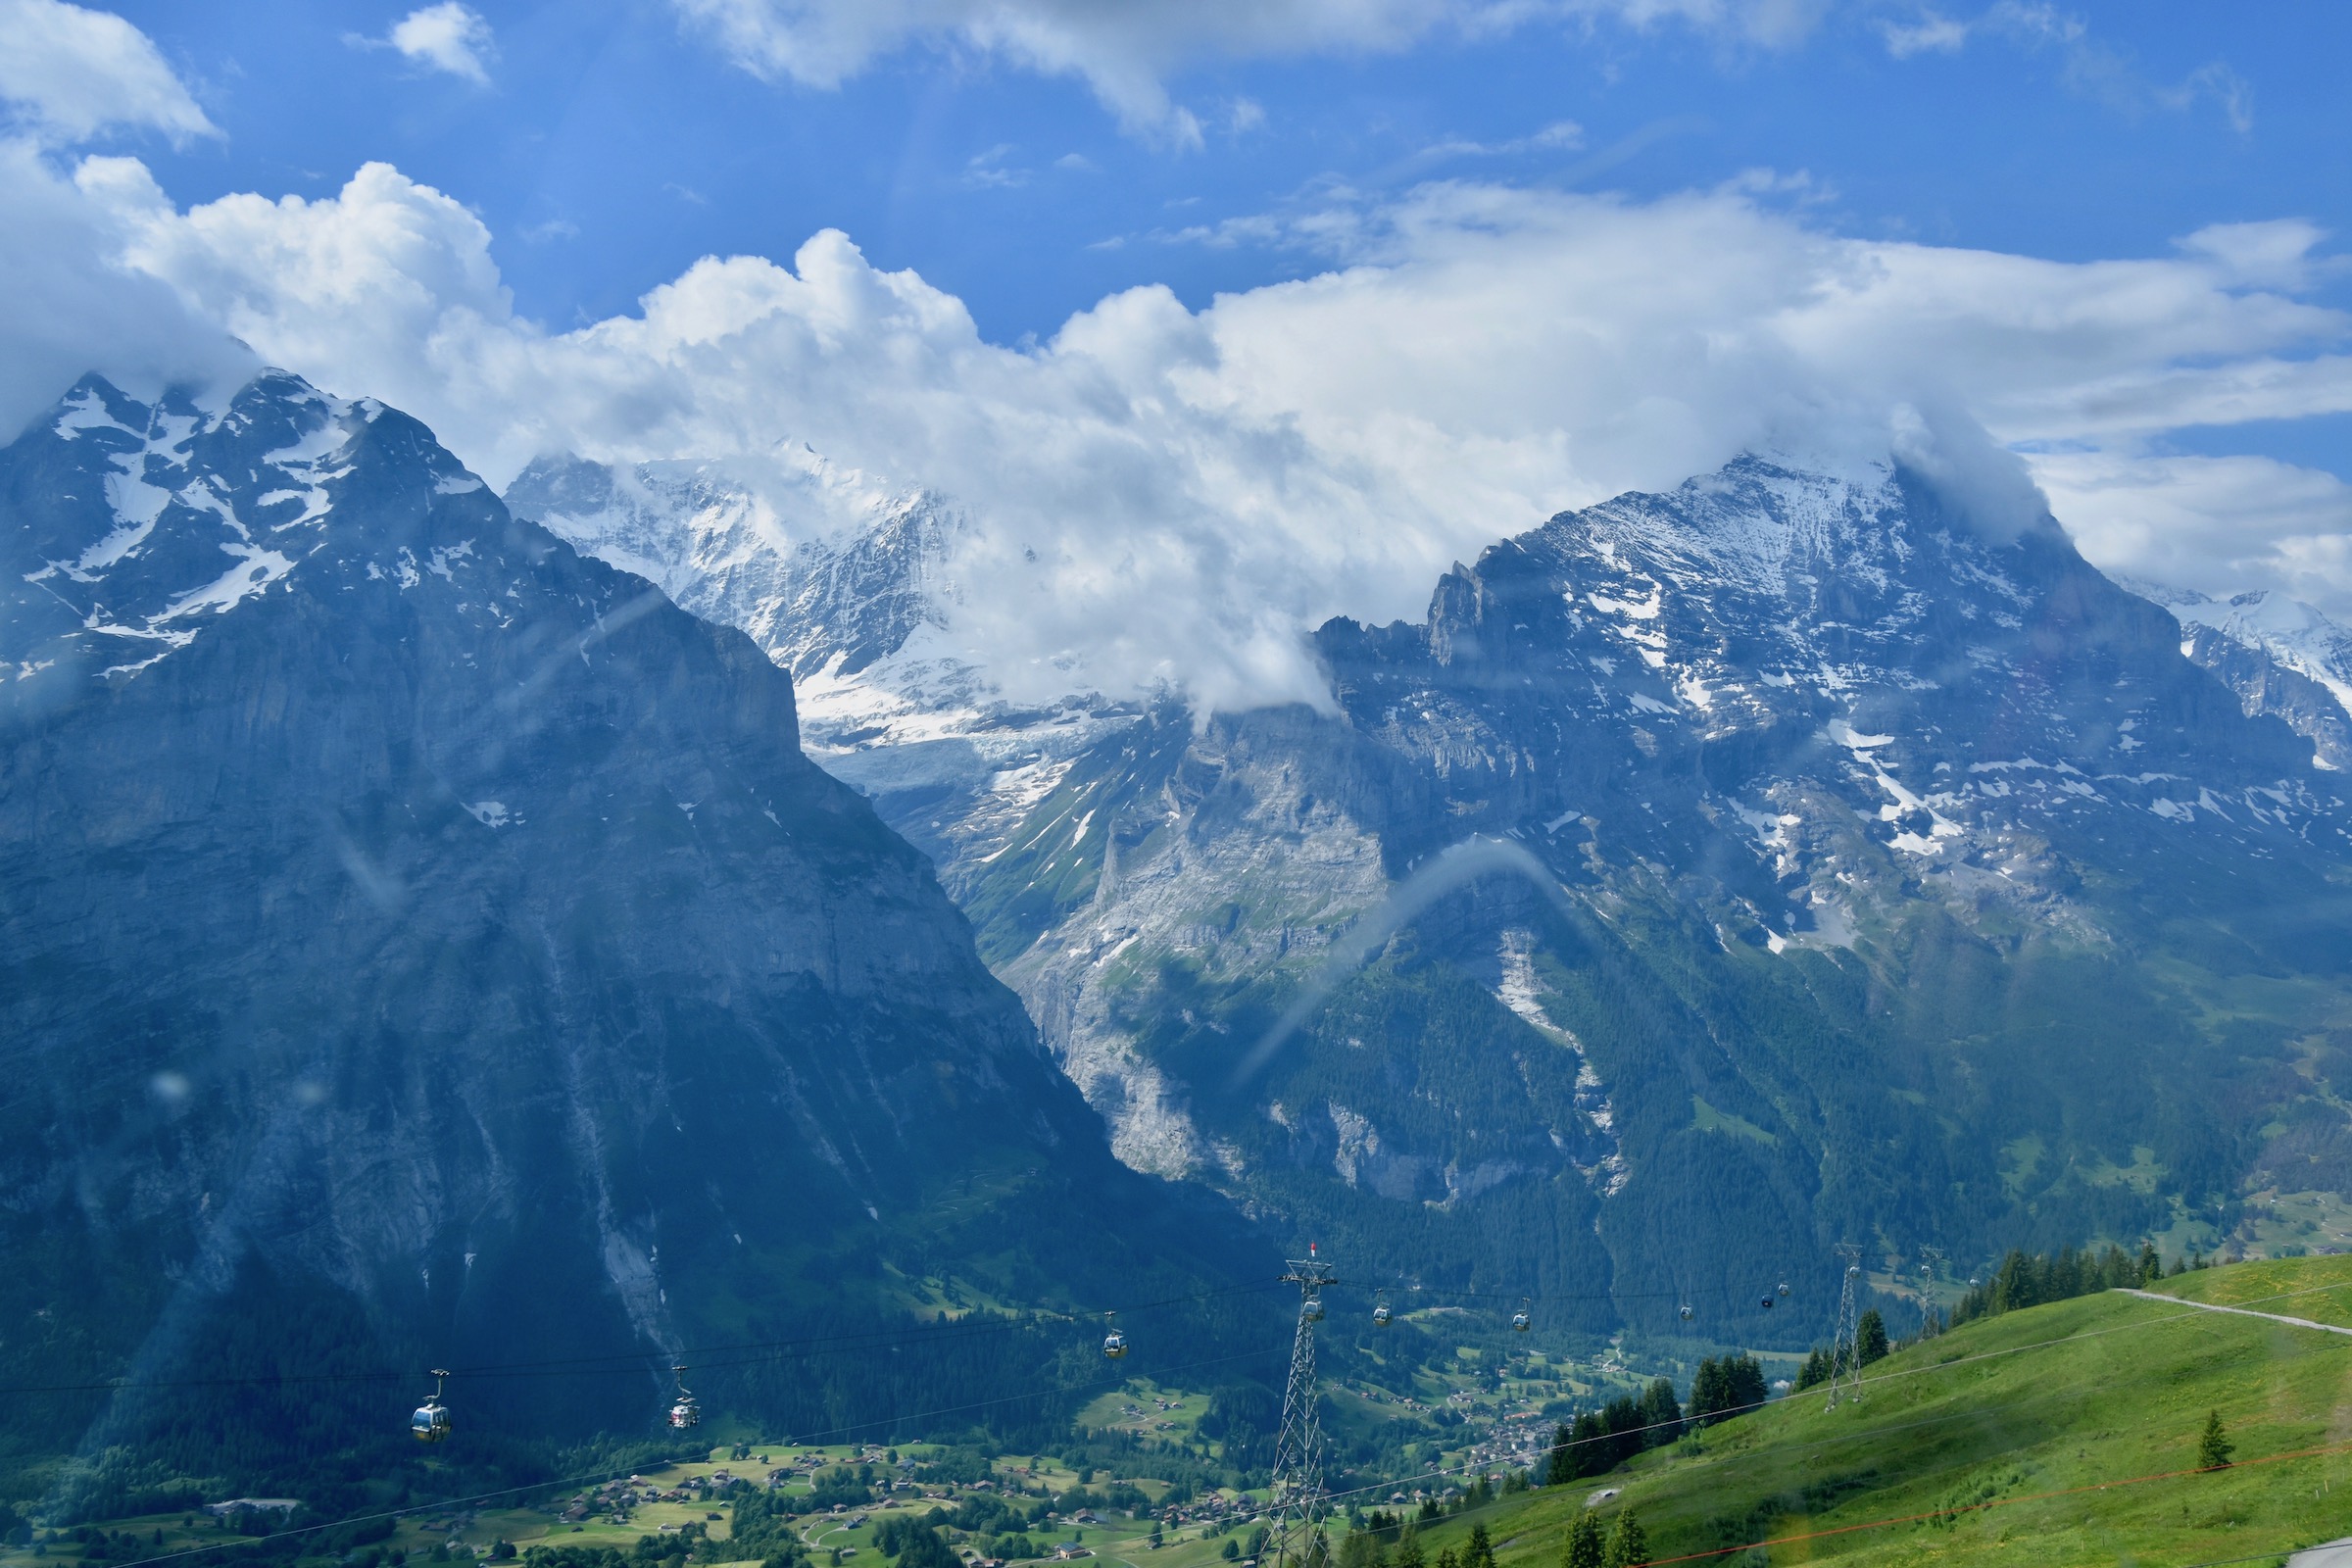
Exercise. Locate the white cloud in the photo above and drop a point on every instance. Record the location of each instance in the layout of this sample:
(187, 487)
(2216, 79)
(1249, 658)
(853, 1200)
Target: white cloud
(448, 37)
(69, 304)
(1161, 493)
(2087, 64)
(1561, 135)
(69, 73)
(986, 171)
(1928, 34)
(2220, 526)
(1126, 52)
(70, 308)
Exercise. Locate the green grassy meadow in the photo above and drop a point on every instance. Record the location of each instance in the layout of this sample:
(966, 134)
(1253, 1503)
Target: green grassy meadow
(2026, 1435)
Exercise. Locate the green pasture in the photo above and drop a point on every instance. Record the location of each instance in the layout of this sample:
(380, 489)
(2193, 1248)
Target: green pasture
(2064, 1434)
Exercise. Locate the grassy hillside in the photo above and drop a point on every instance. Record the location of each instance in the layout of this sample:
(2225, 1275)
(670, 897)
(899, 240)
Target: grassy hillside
(2018, 1434)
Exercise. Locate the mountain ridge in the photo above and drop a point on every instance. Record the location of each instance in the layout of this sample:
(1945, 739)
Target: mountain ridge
(1801, 753)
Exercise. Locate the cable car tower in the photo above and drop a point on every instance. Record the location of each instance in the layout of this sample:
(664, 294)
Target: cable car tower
(1845, 1349)
(1296, 1539)
(1930, 1267)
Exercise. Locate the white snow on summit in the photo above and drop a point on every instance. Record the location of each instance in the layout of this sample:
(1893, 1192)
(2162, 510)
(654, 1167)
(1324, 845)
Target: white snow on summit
(2292, 632)
(2248, 639)
(848, 585)
(151, 589)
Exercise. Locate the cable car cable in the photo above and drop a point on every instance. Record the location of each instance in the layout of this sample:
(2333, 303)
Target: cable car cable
(1567, 1296)
(632, 1362)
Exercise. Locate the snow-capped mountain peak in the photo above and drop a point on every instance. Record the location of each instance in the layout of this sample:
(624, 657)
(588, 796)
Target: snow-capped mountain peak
(812, 561)
(2279, 654)
(174, 515)
(850, 587)
(136, 527)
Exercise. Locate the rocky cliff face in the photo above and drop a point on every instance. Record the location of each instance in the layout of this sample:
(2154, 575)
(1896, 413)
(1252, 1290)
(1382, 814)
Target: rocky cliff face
(1713, 875)
(411, 921)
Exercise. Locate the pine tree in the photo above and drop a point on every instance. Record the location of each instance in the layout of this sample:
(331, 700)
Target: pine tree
(1408, 1549)
(1627, 1544)
(1622, 1420)
(1585, 1547)
(1870, 1338)
(1562, 1468)
(1661, 1416)
(1584, 1451)
(2151, 1263)
(2214, 1448)
(1446, 1558)
(1743, 1385)
(1816, 1370)
(1706, 1392)
(1479, 1551)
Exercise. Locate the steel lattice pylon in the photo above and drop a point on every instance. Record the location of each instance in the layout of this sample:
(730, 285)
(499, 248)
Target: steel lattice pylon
(1930, 1269)
(1845, 1349)
(1295, 1537)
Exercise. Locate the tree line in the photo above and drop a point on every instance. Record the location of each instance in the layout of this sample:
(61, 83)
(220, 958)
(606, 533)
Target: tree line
(2026, 1278)
(1600, 1441)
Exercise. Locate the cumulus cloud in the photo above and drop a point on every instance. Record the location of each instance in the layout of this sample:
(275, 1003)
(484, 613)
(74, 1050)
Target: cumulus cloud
(71, 306)
(448, 37)
(1162, 494)
(67, 74)
(1126, 52)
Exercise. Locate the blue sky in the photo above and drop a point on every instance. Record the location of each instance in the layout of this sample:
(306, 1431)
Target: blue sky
(614, 143)
(1216, 318)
